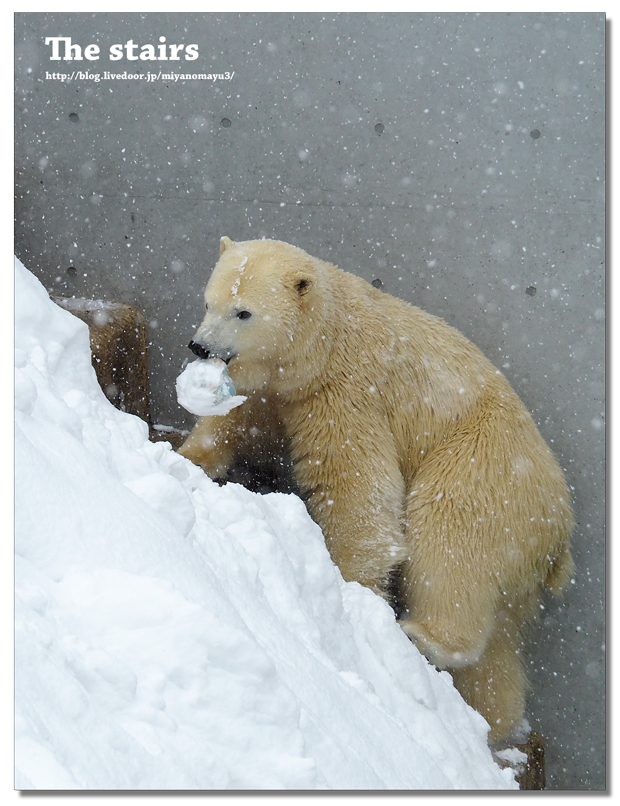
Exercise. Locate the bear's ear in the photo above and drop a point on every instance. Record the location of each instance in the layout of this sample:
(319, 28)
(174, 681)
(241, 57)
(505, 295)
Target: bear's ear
(225, 242)
(299, 279)
(303, 285)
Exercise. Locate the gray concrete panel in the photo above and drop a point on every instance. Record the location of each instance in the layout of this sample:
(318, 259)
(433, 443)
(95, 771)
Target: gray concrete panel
(458, 158)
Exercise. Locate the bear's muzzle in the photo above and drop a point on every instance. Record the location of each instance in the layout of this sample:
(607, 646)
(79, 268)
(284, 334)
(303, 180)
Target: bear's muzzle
(202, 351)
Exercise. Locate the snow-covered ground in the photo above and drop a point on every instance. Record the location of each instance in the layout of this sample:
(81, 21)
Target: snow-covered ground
(173, 634)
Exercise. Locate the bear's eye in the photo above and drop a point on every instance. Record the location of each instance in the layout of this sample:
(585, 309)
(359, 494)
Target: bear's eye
(244, 315)
(206, 306)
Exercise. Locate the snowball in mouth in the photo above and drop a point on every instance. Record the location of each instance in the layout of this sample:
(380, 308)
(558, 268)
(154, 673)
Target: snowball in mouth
(205, 388)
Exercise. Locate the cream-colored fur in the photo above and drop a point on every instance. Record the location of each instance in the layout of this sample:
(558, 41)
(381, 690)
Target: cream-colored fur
(411, 450)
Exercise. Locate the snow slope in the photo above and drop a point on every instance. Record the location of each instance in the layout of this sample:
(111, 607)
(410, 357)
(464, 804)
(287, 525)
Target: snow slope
(172, 634)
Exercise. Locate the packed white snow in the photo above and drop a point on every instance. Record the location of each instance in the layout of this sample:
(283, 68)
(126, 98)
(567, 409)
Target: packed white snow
(205, 388)
(513, 756)
(174, 634)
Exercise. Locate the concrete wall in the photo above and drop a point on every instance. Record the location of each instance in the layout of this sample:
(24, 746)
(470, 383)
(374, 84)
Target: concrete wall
(458, 158)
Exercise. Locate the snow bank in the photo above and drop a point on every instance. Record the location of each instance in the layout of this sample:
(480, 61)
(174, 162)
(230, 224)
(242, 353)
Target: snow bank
(172, 634)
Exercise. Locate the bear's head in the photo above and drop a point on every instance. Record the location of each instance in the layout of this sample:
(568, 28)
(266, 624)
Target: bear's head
(264, 307)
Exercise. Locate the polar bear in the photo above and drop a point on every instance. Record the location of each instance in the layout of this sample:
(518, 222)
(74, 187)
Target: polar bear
(425, 471)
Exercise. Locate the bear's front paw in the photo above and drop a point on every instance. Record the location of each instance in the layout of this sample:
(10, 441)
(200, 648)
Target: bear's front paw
(440, 648)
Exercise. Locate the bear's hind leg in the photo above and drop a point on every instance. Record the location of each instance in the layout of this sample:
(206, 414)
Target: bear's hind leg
(495, 686)
(449, 619)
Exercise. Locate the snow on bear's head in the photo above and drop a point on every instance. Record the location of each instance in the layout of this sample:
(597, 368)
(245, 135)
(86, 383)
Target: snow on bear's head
(263, 307)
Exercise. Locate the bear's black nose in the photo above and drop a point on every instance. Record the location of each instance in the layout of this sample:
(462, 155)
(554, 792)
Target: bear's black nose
(198, 349)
